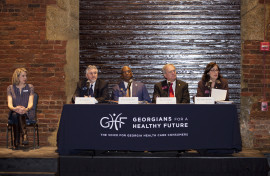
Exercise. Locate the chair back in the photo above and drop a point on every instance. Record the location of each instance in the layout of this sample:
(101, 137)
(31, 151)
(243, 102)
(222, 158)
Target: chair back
(32, 112)
(35, 101)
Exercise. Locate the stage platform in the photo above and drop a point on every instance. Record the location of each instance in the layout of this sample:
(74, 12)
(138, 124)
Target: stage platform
(45, 161)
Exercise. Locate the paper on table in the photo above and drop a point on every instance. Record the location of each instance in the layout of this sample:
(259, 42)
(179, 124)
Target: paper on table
(218, 94)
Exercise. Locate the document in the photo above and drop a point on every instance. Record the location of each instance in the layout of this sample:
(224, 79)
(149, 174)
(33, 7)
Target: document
(218, 94)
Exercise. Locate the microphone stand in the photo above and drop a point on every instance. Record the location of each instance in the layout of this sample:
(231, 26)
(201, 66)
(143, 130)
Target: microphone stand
(88, 86)
(210, 87)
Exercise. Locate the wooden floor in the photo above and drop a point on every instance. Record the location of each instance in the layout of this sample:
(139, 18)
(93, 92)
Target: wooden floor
(42, 152)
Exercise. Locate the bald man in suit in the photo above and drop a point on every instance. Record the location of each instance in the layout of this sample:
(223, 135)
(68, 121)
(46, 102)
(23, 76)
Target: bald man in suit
(137, 89)
(179, 89)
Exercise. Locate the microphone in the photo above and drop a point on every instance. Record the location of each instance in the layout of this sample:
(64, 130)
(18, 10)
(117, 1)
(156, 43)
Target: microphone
(210, 87)
(128, 88)
(88, 87)
(129, 84)
(169, 85)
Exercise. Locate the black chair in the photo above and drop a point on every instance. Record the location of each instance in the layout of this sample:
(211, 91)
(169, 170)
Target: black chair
(29, 123)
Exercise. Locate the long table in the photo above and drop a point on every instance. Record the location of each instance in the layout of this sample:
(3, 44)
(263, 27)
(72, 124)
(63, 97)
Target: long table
(148, 127)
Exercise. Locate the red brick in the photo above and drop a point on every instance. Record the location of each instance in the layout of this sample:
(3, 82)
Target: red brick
(17, 2)
(264, 1)
(23, 44)
(246, 94)
(50, 1)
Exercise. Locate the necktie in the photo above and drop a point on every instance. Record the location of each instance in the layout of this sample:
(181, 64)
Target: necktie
(127, 94)
(171, 91)
(91, 93)
(128, 90)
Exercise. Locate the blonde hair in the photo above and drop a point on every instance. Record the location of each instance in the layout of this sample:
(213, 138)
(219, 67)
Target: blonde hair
(16, 74)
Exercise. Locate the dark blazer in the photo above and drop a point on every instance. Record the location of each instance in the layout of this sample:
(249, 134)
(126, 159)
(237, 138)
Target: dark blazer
(100, 93)
(181, 91)
(204, 88)
(138, 90)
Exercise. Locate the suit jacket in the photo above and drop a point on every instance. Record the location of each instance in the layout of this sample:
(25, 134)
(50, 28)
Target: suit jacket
(100, 91)
(138, 90)
(204, 89)
(181, 91)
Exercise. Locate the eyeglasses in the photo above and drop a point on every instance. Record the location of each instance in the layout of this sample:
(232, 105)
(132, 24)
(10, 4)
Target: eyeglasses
(126, 72)
(214, 70)
(172, 71)
(92, 73)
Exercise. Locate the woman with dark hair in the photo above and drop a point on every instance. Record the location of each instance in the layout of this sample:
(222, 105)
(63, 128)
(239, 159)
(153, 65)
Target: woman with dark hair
(20, 97)
(212, 79)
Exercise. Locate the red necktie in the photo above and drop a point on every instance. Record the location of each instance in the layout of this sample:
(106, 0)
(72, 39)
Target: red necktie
(171, 91)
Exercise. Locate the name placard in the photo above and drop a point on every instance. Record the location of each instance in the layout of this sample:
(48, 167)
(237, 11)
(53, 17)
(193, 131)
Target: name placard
(166, 100)
(128, 100)
(204, 100)
(85, 100)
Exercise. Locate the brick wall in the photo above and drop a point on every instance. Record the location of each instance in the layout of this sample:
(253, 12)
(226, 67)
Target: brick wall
(253, 86)
(256, 123)
(23, 44)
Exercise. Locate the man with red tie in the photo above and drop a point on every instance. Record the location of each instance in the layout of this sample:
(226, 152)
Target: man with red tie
(171, 87)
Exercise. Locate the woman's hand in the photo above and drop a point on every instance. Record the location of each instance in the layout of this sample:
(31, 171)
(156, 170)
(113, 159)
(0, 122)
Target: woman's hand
(20, 110)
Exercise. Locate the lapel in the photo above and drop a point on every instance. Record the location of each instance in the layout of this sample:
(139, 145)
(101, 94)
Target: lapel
(178, 92)
(122, 86)
(134, 89)
(218, 84)
(177, 86)
(165, 88)
(96, 88)
(85, 88)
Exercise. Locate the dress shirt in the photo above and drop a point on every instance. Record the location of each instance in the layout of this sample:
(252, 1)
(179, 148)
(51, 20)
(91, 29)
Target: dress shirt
(92, 84)
(173, 86)
(130, 89)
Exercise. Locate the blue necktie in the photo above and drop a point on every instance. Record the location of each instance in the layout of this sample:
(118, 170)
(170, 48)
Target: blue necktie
(91, 93)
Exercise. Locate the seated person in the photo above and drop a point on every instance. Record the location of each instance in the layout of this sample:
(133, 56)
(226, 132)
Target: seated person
(177, 88)
(130, 88)
(20, 97)
(92, 86)
(211, 79)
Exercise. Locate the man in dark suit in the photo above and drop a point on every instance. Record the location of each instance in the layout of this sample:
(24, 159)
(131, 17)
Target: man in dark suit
(171, 87)
(129, 87)
(92, 86)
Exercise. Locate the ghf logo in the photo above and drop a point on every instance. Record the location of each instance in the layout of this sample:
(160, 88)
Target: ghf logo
(112, 121)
